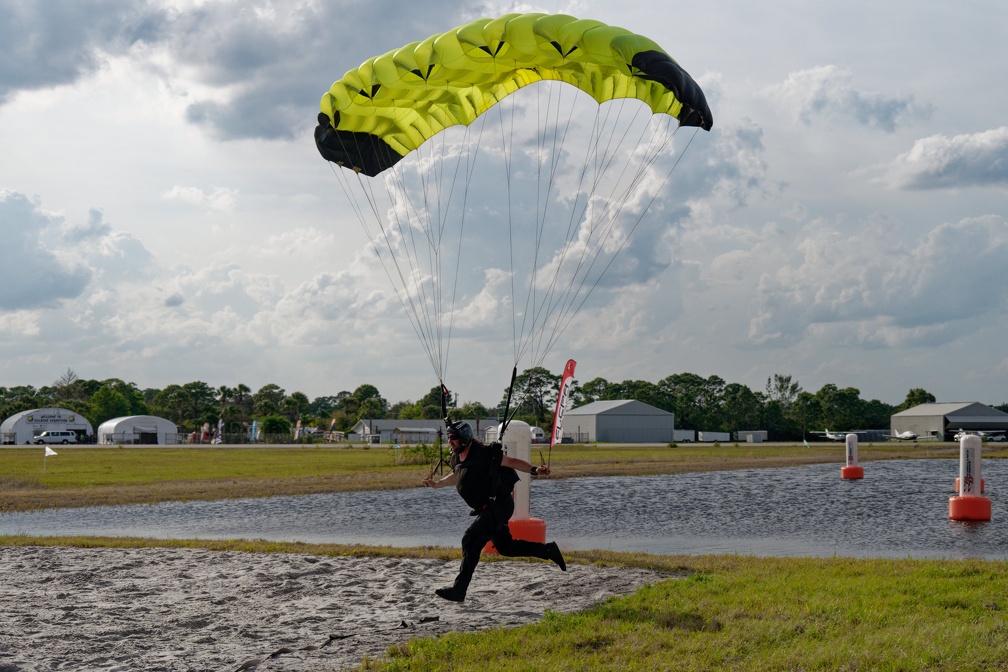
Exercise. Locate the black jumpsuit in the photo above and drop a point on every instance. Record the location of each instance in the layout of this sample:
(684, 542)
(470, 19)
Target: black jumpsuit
(475, 480)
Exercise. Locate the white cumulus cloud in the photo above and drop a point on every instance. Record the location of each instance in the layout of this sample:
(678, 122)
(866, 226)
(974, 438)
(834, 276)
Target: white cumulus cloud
(832, 91)
(941, 161)
(219, 199)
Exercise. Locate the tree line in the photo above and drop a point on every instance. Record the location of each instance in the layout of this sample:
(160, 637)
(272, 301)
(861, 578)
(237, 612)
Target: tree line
(783, 408)
(194, 404)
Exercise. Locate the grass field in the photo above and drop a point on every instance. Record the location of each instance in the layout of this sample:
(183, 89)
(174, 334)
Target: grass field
(744, 613)
(93, 475)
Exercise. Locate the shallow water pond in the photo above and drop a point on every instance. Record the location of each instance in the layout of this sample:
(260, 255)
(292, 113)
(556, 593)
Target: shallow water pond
(900, 509)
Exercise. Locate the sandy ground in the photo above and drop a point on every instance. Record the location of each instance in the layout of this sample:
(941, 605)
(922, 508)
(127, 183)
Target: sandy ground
(185, 609)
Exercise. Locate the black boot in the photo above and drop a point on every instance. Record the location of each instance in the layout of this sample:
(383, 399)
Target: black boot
(452, 593)
(555, 555)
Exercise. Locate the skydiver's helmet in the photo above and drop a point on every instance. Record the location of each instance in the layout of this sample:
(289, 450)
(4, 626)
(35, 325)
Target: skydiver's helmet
(461, 431)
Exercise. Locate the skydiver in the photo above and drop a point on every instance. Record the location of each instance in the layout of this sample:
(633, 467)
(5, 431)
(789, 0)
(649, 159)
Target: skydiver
(485, 477)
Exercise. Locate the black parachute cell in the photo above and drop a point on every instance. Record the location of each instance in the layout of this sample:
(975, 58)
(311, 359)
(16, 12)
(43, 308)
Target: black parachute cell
(659, 67)
(364, 152)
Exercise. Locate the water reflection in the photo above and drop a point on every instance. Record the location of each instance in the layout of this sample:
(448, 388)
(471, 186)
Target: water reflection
(900, 509)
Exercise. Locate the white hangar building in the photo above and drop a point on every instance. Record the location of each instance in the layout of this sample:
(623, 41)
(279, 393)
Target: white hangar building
(138, 429)
(22, 428)
(944, 420)
(410, 431)
(626, 421)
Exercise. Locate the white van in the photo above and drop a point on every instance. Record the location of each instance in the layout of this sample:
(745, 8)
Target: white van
(56, 437)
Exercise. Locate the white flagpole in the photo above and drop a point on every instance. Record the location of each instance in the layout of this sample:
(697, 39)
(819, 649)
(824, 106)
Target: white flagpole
(48, 451)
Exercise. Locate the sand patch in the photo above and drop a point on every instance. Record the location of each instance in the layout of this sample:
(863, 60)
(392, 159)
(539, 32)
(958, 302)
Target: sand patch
(190, 609)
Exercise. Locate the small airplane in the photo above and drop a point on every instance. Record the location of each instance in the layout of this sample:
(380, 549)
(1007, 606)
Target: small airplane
(910, 436)
(832, 436)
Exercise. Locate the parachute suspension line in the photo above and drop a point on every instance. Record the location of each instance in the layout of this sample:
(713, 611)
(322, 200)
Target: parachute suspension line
(414, 287)
(520, 344)
(528, 329)
(415, 299)
(549, 145)
(430, 173)
(411, 290)
(549, 299)
(470, 153)
(427, 282)
(568, 298)
(598, 165)
(601, 222)
(418, 290)
(550, 123)
(570, 310)
(418, 295)
(362, 220)
(506, 136)
(576, 214)
(432, 284)
(559, 142)
(569, 318)
(569, 237)
(598, 162)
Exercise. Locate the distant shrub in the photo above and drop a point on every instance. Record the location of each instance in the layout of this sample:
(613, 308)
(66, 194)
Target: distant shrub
(417, 453)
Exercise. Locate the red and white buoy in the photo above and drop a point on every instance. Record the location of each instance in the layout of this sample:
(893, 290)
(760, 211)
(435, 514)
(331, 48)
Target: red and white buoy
(518, 443)
(852, 470)
(969, 503)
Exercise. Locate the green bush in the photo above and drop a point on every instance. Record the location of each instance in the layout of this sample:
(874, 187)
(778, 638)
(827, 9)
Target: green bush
(417, 453)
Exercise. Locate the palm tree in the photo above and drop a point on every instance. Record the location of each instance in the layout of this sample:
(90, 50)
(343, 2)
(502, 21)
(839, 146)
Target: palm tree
(241, 398)
(301, 403)
(173, 399)
(289, 408)
(224, 395)
(232, 419)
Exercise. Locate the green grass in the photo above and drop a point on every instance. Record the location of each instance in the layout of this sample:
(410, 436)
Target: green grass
(744, 613)
(98, 466)
(84, 467)
(93, 475)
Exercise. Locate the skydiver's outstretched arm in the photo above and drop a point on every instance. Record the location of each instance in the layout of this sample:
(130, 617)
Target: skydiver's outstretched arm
(431, 482)
(523, 467)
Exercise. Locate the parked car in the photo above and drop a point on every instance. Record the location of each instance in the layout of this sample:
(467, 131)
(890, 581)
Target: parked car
(56, 437)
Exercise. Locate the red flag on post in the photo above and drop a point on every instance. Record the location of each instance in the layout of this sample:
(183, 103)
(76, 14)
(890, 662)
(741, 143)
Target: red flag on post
(563, 402)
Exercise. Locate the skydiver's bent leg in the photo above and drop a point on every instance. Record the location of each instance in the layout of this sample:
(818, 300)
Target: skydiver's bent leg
(510, 547)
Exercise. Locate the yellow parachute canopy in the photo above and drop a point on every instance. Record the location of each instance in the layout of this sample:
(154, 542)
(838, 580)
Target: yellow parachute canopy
(391, 104)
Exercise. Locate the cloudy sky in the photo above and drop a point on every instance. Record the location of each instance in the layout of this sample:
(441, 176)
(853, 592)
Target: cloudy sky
(165, 216)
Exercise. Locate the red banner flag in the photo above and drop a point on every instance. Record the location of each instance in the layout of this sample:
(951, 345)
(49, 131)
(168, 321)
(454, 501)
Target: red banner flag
(563, 402)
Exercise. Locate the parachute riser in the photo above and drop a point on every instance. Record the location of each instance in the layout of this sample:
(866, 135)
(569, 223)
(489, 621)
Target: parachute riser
(507, 404)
